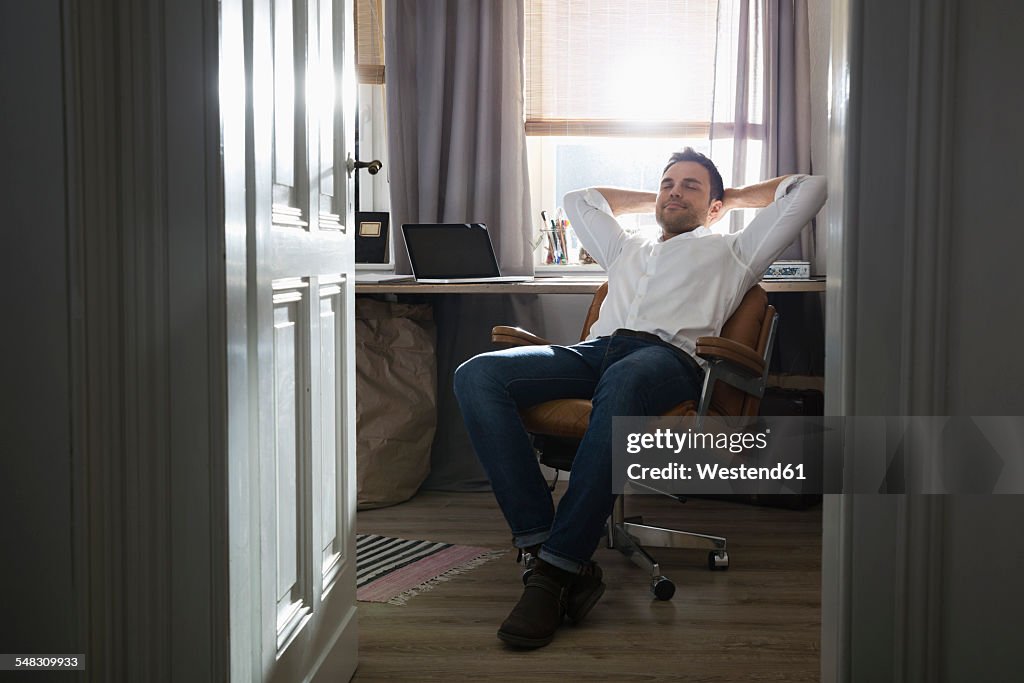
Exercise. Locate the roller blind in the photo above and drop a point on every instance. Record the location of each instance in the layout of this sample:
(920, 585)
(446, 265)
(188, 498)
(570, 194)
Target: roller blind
(369, 28)
(608, 67)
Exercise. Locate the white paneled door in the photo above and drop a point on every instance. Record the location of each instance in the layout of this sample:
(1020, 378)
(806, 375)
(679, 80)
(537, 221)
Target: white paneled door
(290, 337)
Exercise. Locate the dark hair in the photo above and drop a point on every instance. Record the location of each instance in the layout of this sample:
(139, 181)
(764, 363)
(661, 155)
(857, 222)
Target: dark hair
(689, 154)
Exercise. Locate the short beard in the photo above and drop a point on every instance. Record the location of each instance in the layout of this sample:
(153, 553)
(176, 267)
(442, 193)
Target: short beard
(683, 222)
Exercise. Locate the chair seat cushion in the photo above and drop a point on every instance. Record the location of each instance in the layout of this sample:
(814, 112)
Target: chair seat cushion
(568, 417)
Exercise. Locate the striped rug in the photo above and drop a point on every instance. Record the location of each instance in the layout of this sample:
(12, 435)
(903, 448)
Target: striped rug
(393, 570)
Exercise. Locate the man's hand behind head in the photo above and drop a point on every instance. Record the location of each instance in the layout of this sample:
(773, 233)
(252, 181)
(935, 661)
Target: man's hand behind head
(728, 201)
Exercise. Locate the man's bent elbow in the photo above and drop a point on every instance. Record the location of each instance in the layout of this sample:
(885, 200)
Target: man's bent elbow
(817, 186)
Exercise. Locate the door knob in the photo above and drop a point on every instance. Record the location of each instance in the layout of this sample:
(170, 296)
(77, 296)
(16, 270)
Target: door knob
(372, 166)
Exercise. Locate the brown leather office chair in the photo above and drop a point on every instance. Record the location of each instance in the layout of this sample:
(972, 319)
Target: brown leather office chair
(733, 386)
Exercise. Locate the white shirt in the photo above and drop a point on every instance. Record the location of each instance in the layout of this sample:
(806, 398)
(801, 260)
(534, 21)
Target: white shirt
(687, 286)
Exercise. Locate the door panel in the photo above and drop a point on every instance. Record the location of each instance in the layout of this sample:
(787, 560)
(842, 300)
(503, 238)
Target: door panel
(333, 498)
(289, 63)
(332, 132)
(300, 342)
(291, 460)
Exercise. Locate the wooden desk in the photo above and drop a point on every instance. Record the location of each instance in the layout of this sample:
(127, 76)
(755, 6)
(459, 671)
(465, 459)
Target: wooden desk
(551, 285)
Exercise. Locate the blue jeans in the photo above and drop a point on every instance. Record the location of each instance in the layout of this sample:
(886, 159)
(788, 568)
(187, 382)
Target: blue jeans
(621, 375)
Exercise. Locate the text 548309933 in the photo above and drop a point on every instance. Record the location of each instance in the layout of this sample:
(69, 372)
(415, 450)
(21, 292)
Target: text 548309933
(19, 662)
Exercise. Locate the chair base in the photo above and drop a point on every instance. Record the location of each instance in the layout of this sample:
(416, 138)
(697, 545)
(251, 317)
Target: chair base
(630, 535)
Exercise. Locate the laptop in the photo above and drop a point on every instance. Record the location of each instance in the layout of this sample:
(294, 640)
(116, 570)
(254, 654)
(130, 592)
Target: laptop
(443, 253)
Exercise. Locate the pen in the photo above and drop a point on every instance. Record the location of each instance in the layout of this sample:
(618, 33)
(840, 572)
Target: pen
(559, 251)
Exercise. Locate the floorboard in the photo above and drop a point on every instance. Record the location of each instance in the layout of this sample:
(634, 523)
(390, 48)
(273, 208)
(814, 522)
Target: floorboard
(758, 621)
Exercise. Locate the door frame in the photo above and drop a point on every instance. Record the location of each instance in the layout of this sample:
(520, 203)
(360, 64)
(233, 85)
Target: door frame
(146, 273)
(881, 555)
(837, 529)
(242, 506)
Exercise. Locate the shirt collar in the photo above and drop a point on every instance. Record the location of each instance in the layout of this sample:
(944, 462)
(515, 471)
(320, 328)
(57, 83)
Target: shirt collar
(700, 231)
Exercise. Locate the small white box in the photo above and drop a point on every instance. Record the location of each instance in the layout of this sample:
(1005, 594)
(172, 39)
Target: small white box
(788, 270)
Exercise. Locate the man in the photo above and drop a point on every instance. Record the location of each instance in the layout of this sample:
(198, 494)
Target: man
(639, 360)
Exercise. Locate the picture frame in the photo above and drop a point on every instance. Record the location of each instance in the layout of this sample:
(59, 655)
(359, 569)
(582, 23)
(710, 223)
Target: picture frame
(373, 232)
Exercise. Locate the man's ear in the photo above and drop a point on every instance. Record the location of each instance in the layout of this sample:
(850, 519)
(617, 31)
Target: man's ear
(715, 212)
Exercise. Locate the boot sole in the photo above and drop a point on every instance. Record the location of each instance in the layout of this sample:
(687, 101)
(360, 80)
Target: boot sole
(523, 642)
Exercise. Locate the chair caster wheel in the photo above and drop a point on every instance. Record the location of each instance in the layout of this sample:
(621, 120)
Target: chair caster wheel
(527, 573)
(718, 560)
(662, 588)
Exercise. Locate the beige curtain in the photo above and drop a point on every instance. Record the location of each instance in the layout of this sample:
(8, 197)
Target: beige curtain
(458, 154)
(455, 121)
(761, 120)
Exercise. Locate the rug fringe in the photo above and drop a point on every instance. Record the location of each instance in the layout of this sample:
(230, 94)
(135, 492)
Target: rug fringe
(448, 575)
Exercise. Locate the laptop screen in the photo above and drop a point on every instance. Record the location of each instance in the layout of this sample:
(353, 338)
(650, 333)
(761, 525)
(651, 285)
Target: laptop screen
(450, 251)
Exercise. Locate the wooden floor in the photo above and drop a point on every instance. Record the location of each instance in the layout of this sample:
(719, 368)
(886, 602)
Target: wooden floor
(759, 621)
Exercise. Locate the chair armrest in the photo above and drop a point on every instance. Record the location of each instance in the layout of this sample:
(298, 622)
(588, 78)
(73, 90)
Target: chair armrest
(743, 358)
(515, 336)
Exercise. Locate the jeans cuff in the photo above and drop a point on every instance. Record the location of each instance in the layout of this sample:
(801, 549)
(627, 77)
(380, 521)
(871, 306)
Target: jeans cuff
(531, 538)
(560, 561)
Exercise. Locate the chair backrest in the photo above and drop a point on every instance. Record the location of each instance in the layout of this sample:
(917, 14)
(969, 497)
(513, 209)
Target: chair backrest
(750, 325)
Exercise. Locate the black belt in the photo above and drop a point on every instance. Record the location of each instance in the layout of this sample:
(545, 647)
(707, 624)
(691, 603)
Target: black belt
(655, 339)
(647, 336)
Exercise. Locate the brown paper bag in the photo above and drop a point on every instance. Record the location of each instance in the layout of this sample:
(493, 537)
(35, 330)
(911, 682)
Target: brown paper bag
(396, 400)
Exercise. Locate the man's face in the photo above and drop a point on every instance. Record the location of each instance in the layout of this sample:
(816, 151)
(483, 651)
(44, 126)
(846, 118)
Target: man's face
(684, 199)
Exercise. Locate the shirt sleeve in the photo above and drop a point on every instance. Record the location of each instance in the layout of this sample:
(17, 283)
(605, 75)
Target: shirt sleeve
(797, 200)
(596, 227)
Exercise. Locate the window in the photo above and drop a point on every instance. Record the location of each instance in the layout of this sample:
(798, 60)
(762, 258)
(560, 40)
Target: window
(371, 136)
(369, 35)
(612, 88)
